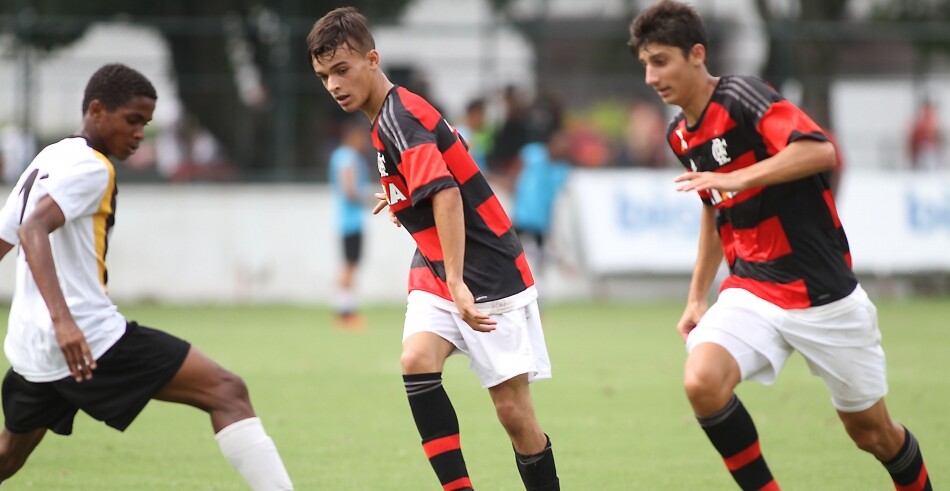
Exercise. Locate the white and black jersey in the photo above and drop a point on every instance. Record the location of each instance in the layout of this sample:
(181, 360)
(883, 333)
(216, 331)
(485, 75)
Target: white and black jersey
(81, 181)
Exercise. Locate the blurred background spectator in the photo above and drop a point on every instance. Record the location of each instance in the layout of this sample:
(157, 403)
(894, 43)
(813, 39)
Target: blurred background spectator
(544, 170)
(925, 141)
(476, 131)
(643, 142)
(17, 149)
(350, 185)
(512, 133)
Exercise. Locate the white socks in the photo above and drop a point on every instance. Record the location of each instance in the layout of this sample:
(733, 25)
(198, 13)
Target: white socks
(252, 453)
(345, 301)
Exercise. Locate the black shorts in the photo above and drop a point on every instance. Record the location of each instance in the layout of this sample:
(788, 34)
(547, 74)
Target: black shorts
(127, 376)
(353, 247)
(528, 235)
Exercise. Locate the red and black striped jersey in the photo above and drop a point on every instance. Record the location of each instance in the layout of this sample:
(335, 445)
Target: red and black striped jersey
(420, 154)
(784, 242)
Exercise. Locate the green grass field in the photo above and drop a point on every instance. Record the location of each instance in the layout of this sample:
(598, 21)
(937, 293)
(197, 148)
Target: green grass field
(334, 403)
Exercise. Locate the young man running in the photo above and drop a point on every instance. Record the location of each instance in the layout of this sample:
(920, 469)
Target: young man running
(757, 162)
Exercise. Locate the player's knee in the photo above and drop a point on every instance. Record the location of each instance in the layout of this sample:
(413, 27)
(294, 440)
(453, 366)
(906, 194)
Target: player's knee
(704, 385)
(511, 414)
(415, 361)
(507, 412)
(231, 389)
(868, 439)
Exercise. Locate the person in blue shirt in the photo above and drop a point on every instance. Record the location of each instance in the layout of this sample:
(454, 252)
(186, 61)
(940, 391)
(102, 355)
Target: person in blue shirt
(349, 183)
(544, 170)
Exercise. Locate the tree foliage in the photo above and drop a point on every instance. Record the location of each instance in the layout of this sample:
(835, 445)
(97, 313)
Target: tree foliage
(929, 17)
(201, 36)
(800, 49)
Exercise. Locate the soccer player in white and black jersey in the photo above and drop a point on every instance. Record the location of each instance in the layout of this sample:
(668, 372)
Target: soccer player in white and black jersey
(470, 287)
(758, 164)
(69, 348)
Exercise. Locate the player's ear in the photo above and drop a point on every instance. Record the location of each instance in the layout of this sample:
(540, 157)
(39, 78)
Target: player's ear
(373, 58)
(697, 54)
(95, 109)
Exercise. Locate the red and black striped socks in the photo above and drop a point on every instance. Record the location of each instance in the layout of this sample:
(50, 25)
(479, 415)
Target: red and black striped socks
(439, 428)
(907, 468)
(733, 433)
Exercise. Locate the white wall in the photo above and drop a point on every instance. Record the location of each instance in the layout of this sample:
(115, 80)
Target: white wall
(238, 244)
(257, 243)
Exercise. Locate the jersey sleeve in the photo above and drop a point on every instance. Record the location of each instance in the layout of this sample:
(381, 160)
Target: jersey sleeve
(77, 189)
(421, 162)
(783, 122)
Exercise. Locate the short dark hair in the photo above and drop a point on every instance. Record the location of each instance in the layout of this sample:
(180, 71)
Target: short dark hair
(116, 84)
(476, 104)
(667, 22)
(342, 26)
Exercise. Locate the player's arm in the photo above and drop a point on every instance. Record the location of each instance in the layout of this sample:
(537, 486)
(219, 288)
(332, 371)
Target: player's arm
(799, 159)
(708, 259)
(348, 182)
(34, 239)
(4, 248)
(450, 225)
(9, 223)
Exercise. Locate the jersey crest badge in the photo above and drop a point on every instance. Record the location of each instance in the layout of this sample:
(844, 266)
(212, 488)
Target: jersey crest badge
(719, 151)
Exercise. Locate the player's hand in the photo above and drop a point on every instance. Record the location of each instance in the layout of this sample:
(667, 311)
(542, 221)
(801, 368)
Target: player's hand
(465, 302)
(383, 203)
(690, 318)
(73, 344)
(704, 181)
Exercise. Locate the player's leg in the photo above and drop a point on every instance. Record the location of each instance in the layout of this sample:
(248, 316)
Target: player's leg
(423, 356)
(873, 431)
(346, 298)
(533, 452)
(29, 410)
(15, 448)
(735, 340)
(841, 343)
(506, 361)
(711, 376)
(202, 383)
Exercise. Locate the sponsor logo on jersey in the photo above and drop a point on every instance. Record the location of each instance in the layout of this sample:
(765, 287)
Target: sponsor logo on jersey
(719, 196)
(381, 164)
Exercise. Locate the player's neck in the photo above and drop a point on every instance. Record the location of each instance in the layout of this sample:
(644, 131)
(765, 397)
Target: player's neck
(94, 143)
(694, 108)
(377, 96)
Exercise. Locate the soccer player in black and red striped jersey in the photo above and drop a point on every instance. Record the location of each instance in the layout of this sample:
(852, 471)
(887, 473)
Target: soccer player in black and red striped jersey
(470, 288)
(758, 163)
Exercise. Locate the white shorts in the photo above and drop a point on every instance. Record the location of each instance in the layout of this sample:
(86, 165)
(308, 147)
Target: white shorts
(516, 346)
(840, 342)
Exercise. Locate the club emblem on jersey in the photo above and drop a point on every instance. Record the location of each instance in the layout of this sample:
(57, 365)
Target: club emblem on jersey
(719, 151)
(381, 164)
